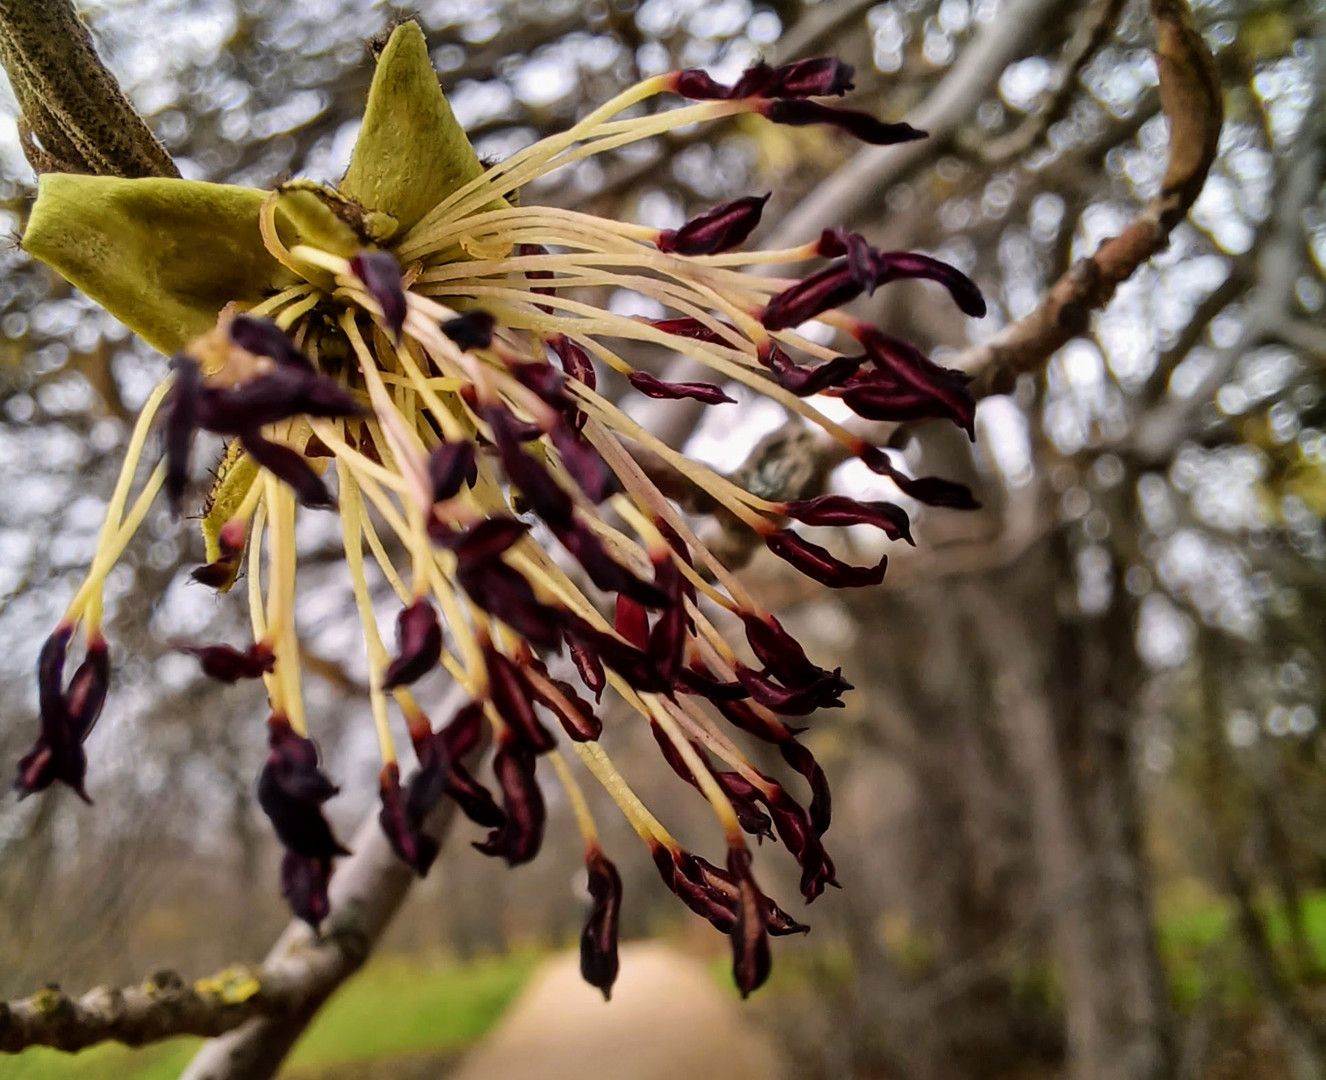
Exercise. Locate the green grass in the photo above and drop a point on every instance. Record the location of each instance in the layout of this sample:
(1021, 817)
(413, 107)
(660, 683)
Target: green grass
(397, 1006)
(1203, 953)
(401, 1006)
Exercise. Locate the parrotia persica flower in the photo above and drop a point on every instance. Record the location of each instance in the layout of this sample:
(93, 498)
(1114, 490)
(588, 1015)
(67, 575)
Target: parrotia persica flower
(418, 351)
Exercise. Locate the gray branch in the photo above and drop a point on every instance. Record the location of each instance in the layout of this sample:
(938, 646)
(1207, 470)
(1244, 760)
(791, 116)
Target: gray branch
(161, 1007)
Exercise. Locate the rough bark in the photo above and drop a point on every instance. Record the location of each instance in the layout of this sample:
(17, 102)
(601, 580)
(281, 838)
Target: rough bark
(75, 116)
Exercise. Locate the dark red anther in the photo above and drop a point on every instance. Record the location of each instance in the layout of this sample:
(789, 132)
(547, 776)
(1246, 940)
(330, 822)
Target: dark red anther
(779, 652)
(412, 845)
(50, 675)
(667, 641)
(698, 680)
(632, 622)
(830, 287)
(502, 592)
(743, 796)
(537, 487)
(222, 572)
(824, 692)
(304, 881)
(672, 755)
(584, 463)
(263, 337)
(881, 397)
(823, 76)
(899, 265)
(695, 330)
(441, 771)
(860, 125)
(706, 392)
(755, 721)
(699, 86)
(544, 379)
(588, 667)
(518, 839)
(88, 687)
(229, 665)
(288, 466)
(794, 829)
(291, 791)
(575, 361)
(888, 517)
(67, 715)
(860, 255)
(720, 229)
(603, 570)
(381, 275)
(750, 942)
(886, 266)
(466, 731)
(821, 800)
(575, 714)
(418, 645)
(805, 382)
(598, 940)
(511, 697)
(451, 465)
(633, 665)
(816, 562)
(779, 923)
(908, 366)
(682, 874)
(484, 540)
(280, 394)
(930, 490)
(473, 330)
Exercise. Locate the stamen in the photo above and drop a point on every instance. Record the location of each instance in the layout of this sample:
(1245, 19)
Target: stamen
(378, 658)
(575, 795)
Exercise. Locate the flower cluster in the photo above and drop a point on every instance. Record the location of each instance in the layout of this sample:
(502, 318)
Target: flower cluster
(434, 346)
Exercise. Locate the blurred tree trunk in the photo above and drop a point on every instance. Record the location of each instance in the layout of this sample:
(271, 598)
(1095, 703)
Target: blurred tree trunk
(959, 872)
(1065, 691)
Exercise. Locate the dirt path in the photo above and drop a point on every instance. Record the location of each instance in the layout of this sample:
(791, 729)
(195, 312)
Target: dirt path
(668, 1020)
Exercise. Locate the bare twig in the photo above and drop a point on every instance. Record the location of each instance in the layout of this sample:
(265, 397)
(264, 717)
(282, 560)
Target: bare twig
(75, 116)
(1224, 294)
(1190, 97)
(1086, 41)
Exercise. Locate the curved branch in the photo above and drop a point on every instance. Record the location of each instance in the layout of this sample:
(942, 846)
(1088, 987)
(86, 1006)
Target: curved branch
(1191, 99)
